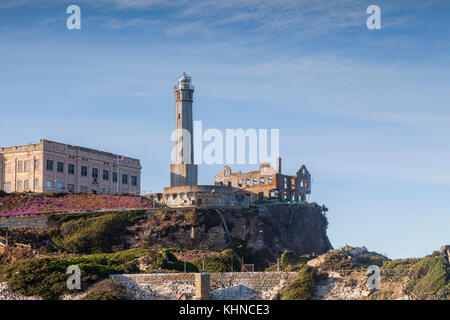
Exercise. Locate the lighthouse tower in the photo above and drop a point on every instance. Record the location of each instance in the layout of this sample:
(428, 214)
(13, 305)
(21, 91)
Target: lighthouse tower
(183, 171)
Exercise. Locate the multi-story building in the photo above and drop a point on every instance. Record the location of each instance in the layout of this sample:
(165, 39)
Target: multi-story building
(268, 183)
(52, 167)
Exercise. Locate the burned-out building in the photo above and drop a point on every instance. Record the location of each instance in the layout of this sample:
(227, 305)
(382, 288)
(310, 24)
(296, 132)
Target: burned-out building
(268, 183)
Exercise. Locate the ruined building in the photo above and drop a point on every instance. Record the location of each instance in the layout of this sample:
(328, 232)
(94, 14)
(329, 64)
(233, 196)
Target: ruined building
(268, 183)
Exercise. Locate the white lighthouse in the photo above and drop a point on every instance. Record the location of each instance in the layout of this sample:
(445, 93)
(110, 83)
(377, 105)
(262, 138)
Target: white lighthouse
(183, 171)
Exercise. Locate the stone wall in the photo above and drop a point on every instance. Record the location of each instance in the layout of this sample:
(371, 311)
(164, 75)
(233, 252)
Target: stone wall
(224, 286)
(22, 222)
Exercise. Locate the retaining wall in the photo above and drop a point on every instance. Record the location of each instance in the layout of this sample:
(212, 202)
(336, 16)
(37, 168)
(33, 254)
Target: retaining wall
(224, 286)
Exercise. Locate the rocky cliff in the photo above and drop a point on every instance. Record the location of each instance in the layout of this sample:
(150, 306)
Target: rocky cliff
(266, 230)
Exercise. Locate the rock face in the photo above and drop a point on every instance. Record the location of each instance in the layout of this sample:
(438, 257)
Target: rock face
(267, 230)
(445, 252)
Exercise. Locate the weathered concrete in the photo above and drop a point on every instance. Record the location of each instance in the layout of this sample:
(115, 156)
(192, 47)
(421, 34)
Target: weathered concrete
(224, 286)
(24, 222)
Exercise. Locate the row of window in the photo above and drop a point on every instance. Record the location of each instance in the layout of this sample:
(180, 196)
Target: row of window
(262, 180)
(24, 165)
(22, 185)
(94, 172)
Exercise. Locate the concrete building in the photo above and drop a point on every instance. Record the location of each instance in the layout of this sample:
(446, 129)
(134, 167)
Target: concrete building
(183, 171)
(51, 167)
(268, 183)
(202, 197)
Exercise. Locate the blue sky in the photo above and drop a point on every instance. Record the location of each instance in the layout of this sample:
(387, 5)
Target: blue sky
(366, 110)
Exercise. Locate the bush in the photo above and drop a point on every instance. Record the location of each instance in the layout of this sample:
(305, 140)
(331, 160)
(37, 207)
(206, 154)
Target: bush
(429, 278)
(46, 277)
(337, 260)
(215, 263)
(167, 261)
(301, 288)
(95, 234)
(107, 289)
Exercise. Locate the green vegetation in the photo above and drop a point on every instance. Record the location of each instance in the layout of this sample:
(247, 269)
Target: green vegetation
(301, 288)
(107, 289)
(290, 261)
(46, 277)
(337, 260)
(430, 279)
(86, 234)
(166, 260)
(220, 262)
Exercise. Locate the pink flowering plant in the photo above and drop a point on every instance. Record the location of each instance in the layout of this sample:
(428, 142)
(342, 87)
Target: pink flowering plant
(29, 204)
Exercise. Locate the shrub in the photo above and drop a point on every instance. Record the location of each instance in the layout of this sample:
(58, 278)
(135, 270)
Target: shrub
(336, 260)
(215, 263)
(93, 234)
(301, 288)
(107, 289)
(429, 278)
(46, 277)
(166, 261)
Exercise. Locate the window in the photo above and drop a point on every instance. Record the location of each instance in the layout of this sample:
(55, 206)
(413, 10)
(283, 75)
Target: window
(105, 175)
(262, 180)
(36, 184)
(124, 179)
(60, 167)
(240, 183)
(95, 173)
(26, 185)
(270, 179)
(49, 185)
(19, 185)
(26, 165)
(255, 181)
(133, 180)
(19, 166)
(71, 168)
(50, 165)
(7, 186)
(229, 183)
(36, 164)
(60, 186)
(84, 171)
(247, 183)
(114, 176)
(70, 188)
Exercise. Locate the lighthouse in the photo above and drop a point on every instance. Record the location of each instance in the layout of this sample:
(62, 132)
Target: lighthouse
(183, 171)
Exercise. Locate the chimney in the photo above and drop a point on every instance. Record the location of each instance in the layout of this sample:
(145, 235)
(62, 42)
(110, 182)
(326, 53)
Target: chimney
(278, 165)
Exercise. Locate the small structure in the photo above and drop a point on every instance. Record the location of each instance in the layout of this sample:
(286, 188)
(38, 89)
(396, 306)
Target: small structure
(268, 183)
(202, 196)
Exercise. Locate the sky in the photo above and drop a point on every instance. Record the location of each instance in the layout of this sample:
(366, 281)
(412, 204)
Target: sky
(367, 111)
